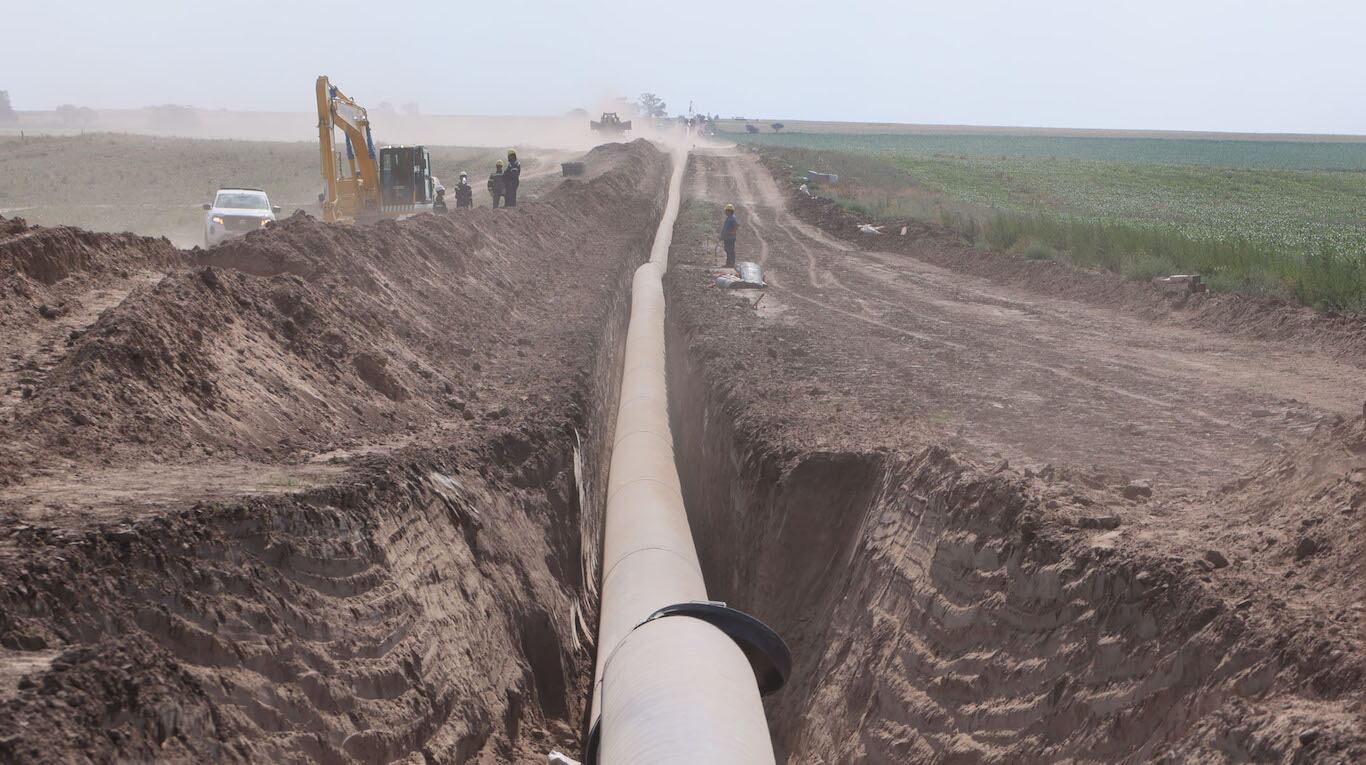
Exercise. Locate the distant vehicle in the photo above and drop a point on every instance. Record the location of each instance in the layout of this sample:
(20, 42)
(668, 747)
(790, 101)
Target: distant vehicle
(611, 123)
(234, 212)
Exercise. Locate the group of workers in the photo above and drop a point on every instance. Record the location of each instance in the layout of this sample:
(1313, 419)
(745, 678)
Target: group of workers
(502, 185)
(505, 178)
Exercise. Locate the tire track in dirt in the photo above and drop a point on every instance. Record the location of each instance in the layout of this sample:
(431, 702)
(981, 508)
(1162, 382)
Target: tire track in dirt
(1065, 353)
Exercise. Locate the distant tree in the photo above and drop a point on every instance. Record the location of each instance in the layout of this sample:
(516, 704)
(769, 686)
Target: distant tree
(578, 114)
(7, 113)
(751, 128)
(776, 126)
(76, 116)
(411, 109)
(172, 117)
(653, 106)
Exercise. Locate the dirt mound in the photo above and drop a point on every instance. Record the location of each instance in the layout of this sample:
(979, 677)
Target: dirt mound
(307, 337)
(432, 601)
(1267, 318)
(44, 270)
(54, 282)
(1297, 521)
(46, 256)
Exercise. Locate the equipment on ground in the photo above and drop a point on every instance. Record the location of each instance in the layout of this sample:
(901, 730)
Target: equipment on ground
(611, 123)
(360, 183)
(571, 168)
(1182, 283)
(748, 276)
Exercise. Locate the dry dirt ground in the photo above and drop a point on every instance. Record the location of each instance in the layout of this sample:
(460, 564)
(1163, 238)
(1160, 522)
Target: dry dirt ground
(1007, 512)
(316, 495)
(332, 493)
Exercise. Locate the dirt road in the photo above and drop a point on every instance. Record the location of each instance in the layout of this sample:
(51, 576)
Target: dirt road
(998, 524)
(1020, 375)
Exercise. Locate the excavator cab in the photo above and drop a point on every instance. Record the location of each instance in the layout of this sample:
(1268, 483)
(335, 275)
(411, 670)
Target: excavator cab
(405, 176)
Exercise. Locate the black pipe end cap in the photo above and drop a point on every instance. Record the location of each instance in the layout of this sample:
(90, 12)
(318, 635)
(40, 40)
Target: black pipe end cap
(766, 651)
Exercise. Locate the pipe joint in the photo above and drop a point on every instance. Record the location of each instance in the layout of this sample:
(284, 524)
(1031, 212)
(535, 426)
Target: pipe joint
(764, 649)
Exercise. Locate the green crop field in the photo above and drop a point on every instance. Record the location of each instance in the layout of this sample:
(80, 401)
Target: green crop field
(1284, 155)
(1281, 217)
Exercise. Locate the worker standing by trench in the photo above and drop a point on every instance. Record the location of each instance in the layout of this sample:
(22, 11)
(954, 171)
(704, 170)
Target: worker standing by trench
(729, 228)
(496, 183)
(512, 177)
(464, 195)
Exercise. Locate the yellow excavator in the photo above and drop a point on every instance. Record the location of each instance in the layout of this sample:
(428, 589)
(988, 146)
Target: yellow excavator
(361, 184)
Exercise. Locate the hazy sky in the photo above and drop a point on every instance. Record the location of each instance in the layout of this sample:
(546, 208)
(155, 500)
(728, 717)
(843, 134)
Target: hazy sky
(1252, 65)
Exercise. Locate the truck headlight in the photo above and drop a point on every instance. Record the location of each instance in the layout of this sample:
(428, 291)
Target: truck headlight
(264, 221)
(217, 219)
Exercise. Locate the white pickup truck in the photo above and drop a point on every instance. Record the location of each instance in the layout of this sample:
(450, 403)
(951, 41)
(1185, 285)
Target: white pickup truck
(234, 212)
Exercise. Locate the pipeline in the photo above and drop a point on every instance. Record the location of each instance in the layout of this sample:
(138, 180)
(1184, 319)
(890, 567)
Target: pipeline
(677, 678)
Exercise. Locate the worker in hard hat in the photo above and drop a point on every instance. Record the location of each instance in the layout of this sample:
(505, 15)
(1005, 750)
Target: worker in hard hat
(464, 194)
(728, 229)
(496, 183)
(512, 176)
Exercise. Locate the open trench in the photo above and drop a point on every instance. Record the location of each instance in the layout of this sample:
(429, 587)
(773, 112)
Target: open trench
(933, 617)
(929, 619)
(440, 605)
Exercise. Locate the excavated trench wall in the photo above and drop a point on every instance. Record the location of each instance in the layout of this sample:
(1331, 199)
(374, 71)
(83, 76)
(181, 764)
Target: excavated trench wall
(933, 616)
(438, 605)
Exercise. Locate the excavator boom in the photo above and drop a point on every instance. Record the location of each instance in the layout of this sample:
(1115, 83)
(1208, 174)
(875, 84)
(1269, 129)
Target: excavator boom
(362, 184)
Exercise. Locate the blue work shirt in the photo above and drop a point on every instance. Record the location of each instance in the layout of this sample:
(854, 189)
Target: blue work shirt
(729, 227)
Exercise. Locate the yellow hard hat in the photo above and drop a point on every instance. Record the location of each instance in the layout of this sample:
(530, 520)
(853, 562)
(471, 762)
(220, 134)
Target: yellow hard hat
(512, 152)
(499, 163)
(730, 208)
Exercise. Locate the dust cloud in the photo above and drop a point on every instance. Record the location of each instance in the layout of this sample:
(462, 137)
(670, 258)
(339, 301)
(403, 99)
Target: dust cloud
(569, 132)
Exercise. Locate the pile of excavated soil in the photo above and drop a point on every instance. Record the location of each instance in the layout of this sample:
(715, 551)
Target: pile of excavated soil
(946, 607)
(431, 399)
(53, 283)
(310, 337)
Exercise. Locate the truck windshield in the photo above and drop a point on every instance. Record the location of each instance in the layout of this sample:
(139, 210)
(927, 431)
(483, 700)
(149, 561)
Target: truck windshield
(241, 201)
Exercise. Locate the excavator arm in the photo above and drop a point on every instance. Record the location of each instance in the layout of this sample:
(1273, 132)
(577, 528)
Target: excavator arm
(351, 190)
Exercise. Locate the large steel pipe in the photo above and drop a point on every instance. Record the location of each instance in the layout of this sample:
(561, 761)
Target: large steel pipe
(674, 689)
